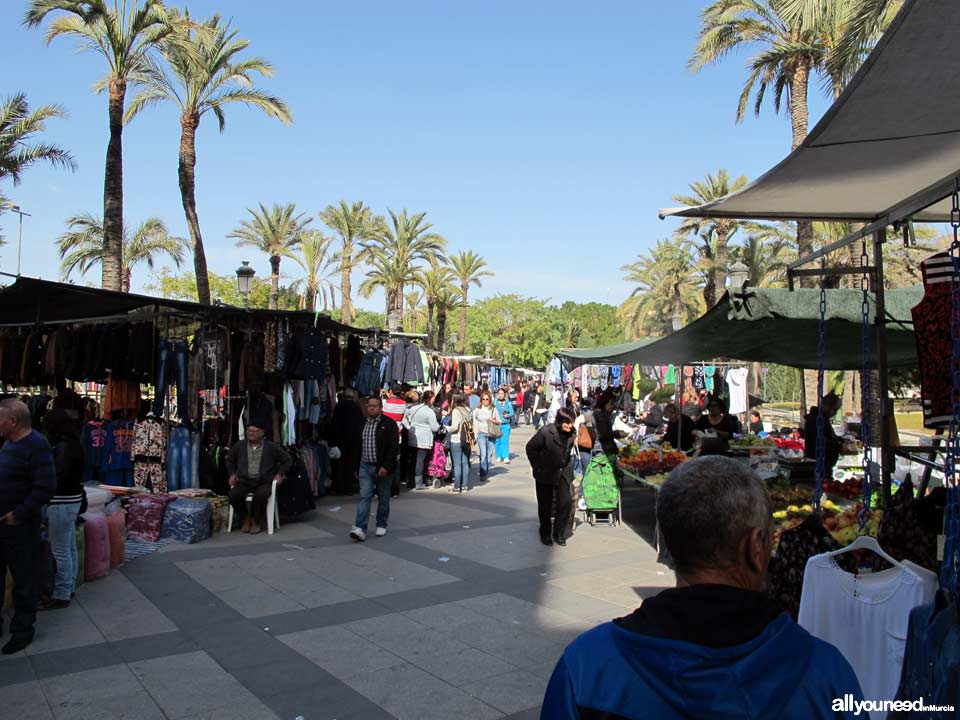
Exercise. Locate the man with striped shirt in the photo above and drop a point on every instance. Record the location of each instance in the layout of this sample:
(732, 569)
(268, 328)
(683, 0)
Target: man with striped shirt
(27, 483)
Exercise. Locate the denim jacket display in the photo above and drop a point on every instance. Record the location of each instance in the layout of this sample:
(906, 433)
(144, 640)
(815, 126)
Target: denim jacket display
(931, 661)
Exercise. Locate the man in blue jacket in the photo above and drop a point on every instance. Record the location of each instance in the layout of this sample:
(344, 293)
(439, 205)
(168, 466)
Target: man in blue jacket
(714, 646)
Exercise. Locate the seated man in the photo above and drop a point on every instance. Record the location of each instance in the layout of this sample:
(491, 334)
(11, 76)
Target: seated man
(253, 465)
(714, 646)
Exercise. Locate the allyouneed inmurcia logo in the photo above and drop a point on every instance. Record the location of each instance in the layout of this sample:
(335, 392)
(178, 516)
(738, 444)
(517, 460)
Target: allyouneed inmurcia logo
(849, 704)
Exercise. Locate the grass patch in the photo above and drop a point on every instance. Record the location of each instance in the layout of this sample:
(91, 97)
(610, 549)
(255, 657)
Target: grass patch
(912, 422)
(783, 405)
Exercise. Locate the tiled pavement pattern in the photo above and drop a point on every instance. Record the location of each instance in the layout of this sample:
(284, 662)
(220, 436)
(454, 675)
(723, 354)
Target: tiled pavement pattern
(459, 612)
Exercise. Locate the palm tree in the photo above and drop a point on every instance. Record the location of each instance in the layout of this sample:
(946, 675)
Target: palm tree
(205, 76)
(767, 254)
(468, 267)
(82, 247)
(18, 126)
(272, 232)
(666, 285)
(354, 223)
(788, 51)
(395, 254)
(445, 302)
(124, 34)
(413, 301)
(436, 281)
(716, 232)
(318, 260)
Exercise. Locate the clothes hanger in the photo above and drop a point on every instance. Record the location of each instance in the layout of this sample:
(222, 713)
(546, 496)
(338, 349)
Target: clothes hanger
(866, 542)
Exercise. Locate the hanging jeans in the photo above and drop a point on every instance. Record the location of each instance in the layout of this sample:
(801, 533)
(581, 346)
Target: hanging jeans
(370, 484)
(486, 448)
(179, 460)
(62, 529)
(173, 360)
(461, 465)
(503, 442)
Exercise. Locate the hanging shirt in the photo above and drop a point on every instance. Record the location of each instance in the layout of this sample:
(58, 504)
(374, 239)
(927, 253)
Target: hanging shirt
(737, 384)
(865, 616)
(670, 378)
(931, 325)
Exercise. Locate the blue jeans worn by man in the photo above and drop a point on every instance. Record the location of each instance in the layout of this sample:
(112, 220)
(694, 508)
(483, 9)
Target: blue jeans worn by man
(370, 483)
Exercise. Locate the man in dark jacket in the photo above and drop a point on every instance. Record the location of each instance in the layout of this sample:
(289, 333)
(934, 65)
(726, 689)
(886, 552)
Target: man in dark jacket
(347, 422)
(380, 446)
(549, 453)
(832, 444)
(27, 482)
(715, 646)
(253, 465)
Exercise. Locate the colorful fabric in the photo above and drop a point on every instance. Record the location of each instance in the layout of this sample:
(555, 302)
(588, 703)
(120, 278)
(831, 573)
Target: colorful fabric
(187, 520)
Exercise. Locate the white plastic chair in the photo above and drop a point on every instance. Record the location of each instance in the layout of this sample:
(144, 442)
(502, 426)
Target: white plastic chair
(273, 512)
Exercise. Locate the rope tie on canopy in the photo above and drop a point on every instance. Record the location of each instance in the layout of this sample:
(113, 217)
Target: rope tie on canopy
(950, 568)
(866, 391)
(821, 462)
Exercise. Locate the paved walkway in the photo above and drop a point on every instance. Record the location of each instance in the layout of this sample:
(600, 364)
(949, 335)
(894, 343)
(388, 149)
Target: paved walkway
(459, 612)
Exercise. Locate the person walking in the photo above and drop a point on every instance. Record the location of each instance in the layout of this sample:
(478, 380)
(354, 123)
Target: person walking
(460, 450)
(516, 399)
(529, 397)
(420, 421)
(64, 508)
(394, 407)
(550, 453)
(27, 482)
(540, 408)
(253, 465)
(473, 399)
(505, 411)
(378, 461)
(484, 416)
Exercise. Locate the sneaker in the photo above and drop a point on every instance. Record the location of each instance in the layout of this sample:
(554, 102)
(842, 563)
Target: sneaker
(358, 534)
(507, 460)
(381, 531)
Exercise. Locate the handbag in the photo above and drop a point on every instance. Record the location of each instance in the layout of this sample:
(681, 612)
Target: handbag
(584, 439)
(494, 432)
(468, 437)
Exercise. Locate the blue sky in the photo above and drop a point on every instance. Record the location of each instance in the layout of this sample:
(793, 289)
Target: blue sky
(544, 135)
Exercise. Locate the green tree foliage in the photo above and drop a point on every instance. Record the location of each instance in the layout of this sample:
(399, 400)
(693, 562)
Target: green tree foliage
(223, 288)
(526, 332)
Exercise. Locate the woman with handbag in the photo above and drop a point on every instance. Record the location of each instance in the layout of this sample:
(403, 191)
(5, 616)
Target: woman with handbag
(486, 422)
(462, 440)
(505, 410)
(421, 422)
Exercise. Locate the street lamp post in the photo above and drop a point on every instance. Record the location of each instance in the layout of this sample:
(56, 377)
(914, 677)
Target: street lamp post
(738, 274)
(16, 208)
(245, 275)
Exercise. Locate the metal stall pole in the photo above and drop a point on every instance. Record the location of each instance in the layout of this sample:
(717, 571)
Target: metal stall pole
(886, 456)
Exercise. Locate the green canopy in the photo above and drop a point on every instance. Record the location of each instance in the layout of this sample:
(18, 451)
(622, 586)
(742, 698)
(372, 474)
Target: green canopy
(776, 326)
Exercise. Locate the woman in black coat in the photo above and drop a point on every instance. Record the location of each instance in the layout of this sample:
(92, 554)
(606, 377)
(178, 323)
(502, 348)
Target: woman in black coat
(549, 453)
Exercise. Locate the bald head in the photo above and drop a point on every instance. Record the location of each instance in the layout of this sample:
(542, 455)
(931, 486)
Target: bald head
(15, 422)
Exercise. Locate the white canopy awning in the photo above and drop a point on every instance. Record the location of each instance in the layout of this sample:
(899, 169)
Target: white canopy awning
(887, 147)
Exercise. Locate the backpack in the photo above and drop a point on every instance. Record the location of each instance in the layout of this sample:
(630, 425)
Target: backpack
(468, 438)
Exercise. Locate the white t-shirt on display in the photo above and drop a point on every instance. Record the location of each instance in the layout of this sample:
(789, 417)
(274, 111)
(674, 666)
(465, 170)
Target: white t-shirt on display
(737, 385)
(865, 616)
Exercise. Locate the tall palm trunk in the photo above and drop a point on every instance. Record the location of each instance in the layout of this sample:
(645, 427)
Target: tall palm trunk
(310, 298)
(189, 122)
(710, 290)
(126, 273)
(430, 344)
(113, 191)
(346, 265)
(464, 289)
(274, 281)
(441, 328)
(720, 264)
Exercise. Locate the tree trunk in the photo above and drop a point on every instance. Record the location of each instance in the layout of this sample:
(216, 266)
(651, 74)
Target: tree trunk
(274, 281)
(346, 266)
(464, 290)
(720, 265)
(310, 299)
(127, 274)
(430, 344)
(113, 191)
(441, 329)
(189, 122)
(710, 290)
